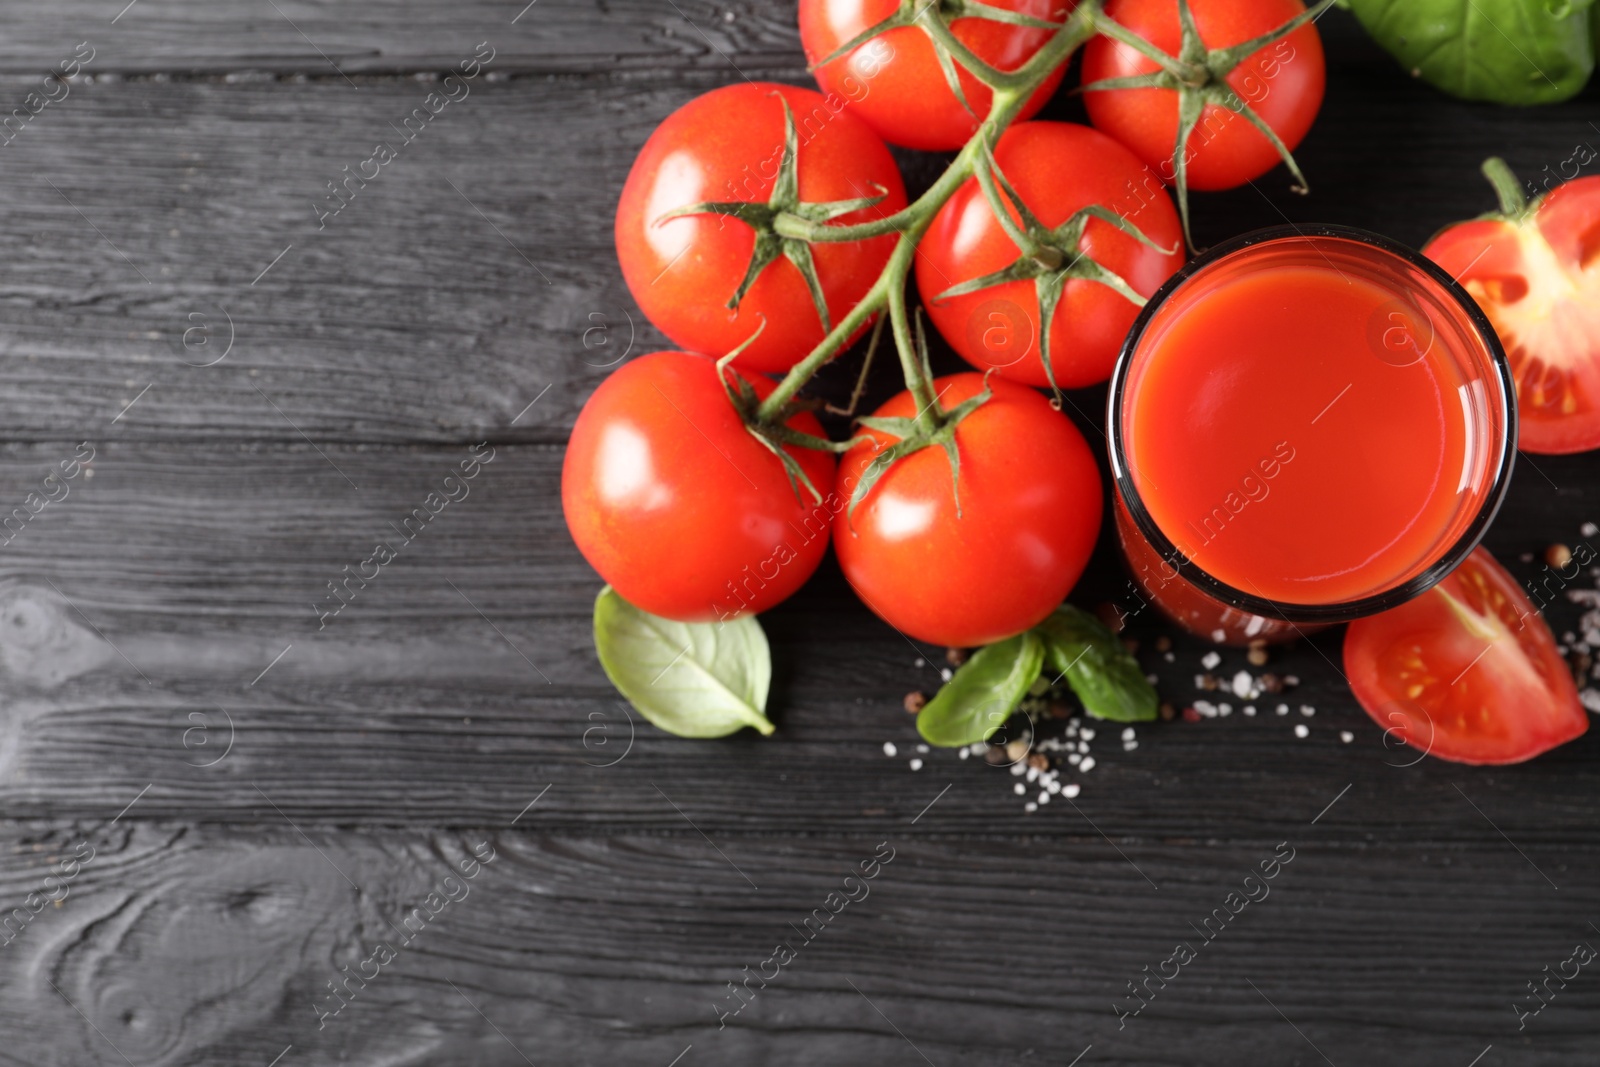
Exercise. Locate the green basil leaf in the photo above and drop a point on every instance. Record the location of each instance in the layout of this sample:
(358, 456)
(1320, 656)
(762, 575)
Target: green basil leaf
(1507, 51)
(1104, 674)
(693, 679)
(983, 693)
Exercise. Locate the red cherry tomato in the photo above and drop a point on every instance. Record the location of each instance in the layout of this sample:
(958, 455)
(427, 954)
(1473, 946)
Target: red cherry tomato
(727, 147)
(1029, 514)
(1282, 82)
(1057, 168)
(894, 80)
(672, 500)
(1537, 278)
(1468, 671)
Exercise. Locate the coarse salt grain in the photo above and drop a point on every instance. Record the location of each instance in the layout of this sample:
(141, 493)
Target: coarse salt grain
(1044, 797)
(1250, 709)
(1169, 657)
(1053, 786)
(916, 765)
(963, 754)
(1129, 746)
(922, 749)
(1128, 734)
(1070, 790)
(888, 748)
(1282, 709)
(1018, 770)
(1074, 757)
(1219, 636)
(1302, 730)
(1030, 807)
(1210, 660)
(945, 673)
(1589, 529)
(1019, 789)
(1086, 733)
(1243, 684)
(1224, 710)
(1346, 736)
(1307, 710)
(922, 663)
(1087, 764)
(1591, 699)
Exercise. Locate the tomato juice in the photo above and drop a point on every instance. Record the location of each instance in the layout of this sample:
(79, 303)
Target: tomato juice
(1306, 426)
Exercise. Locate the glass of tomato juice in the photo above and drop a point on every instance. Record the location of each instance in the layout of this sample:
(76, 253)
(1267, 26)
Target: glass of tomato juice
(1307, 425)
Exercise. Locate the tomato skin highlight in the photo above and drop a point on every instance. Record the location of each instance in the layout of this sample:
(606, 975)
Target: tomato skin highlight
(893, 81)
(1282, 82)
(1538, 280)
(677, 506)
(1468, 671)
(1024, 532)
(1057, 168)
(725, 146)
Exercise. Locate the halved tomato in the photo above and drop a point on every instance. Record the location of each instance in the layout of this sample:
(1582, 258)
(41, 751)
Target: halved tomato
(1534, 268)
(1468, 671)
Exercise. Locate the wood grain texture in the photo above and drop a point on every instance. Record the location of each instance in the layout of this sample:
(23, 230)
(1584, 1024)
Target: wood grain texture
(462, 680)
(201, 945)
(269, 796)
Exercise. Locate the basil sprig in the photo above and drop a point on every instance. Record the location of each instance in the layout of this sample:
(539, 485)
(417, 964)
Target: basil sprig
(1070, 645)
(690, 679)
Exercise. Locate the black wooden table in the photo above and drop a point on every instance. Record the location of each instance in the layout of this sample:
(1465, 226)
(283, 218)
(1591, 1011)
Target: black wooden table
(221, 797)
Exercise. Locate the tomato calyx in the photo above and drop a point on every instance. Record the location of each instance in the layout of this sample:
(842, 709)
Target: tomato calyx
(773, 237)
(1050, 257)
(932, 426)
(1199, 75)
(934, 17)
(774, 432)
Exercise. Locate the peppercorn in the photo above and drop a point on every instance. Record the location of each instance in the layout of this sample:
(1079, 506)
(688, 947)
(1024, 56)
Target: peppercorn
(915, 701)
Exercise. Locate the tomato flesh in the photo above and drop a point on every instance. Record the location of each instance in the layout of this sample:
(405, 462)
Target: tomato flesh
(1468, 671)
(726, 146)
(1057, 168)
(893, 81)
(1282, 82)
(1538, 281)
(1002, 560)
(672, 500)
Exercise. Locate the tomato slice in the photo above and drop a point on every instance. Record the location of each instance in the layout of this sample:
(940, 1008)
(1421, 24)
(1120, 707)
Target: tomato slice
(1537, 278)
(1468, 671)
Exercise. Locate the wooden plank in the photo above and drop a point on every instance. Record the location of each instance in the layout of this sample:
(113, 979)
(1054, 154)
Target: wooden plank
(335, 40)
(477, 270)
(179, 589)
(180, 944)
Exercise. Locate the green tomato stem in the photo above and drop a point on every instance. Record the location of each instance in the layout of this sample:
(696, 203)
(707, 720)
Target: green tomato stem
(1513, 203)
(1011, 90)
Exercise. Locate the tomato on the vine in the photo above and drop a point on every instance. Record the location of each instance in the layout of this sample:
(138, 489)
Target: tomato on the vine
(1534, 269)
(1280, 84)
(899, 80)
(1468, 671)
(971, 560)
(679, 506)
(736, 158)
(1077, 267)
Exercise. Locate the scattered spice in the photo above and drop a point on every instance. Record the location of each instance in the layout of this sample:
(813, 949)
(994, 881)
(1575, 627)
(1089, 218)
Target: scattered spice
(1039, 761)
(1558, 555)
(1257, 654)
(1167, 712)
(915, 701)
(1271, 683)
(1163, 643)
(1108, 614)
(955, 656)
(1208, 682)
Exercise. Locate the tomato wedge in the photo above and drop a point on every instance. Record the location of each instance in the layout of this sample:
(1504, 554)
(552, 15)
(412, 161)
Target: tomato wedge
(1468, 671)
(1534, 268)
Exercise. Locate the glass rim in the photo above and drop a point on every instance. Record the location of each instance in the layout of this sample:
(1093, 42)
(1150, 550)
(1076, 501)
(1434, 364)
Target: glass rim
(1340, 611)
